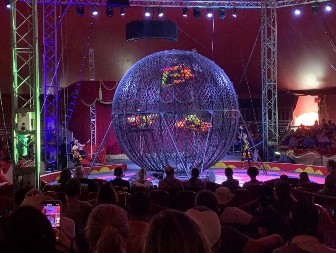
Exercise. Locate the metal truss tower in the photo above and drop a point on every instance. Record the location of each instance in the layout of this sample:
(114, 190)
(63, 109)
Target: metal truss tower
(50, 81)
(93, 124)
(26, 90)
(269, 76)
(92, 69)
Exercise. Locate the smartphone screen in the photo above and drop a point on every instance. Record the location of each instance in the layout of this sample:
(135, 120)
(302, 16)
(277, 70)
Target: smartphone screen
(52, 210)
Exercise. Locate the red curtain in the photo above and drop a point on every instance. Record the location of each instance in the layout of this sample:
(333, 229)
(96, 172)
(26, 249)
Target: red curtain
(79, 123)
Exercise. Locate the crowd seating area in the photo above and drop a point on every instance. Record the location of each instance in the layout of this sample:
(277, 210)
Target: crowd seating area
(249, 200)
(312, 145)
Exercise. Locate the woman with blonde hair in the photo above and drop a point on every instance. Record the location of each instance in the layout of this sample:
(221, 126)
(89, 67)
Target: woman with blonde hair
(173, 231)
(107, 229)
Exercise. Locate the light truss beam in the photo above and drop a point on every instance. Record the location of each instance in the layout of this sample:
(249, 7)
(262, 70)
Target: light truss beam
(205, 4)
(25, 96)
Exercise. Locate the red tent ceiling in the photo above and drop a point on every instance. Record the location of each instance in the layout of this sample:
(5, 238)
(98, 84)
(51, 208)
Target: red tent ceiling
(306, 58)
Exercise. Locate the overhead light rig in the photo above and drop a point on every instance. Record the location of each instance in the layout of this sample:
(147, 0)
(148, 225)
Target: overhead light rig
(192, 3)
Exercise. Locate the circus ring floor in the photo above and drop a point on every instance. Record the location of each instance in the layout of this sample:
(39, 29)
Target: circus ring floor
(274, 170)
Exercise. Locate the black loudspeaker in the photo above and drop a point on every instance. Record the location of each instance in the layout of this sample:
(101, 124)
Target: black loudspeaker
(151, 29)
(117, 3)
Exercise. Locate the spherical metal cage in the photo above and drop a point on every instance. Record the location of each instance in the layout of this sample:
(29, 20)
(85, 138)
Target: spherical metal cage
(175, 108)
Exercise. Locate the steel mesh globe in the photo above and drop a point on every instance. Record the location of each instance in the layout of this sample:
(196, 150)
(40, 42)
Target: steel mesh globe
(175, 108)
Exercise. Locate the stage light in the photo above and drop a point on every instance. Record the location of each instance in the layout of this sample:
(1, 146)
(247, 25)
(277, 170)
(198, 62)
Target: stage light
(80, 10)
(147, 12)
(160, 12)
(109, 11)
(328, 7)
(209, 13)
(315, 7)
(122, 11)
(297, 11)
(234, 13)
(221, 13)
(196, 12)
(185, 12)
(94, 10)
(7, 2)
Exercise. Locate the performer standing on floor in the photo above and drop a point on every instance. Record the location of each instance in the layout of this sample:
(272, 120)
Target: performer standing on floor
(75, 151)
(245, 148)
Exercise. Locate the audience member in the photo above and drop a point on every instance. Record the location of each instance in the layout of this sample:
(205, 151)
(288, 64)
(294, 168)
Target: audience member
(329, 187)
(230, 182)
(77, 210)
(172, 231)
(107, 229)
(142, 182)
(208, 221)
(87, 184)
(170, 181)
(65, 176)
(107, 195)
(275, 217)
(252, 172)
(207, 198)
(305, 220)
(231, 215)
(28, 230)
(194, 181)
(118, 181)
(138, 210)
(303, 178)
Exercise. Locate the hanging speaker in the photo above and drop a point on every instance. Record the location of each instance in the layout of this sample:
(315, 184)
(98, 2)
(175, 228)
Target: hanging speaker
(151, 29)
(117, 3)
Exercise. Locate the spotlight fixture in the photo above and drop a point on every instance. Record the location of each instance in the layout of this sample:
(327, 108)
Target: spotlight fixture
(7, 2)
(209, 13)
(297, 11)
(80, 10)
(122, 11)
(147, 12)
(221, 13)
(185, 12)
(196, 12)
(94, 10)
(234, 13)
(109, 11)
(315, 7)
(328, 7)
(160, 12)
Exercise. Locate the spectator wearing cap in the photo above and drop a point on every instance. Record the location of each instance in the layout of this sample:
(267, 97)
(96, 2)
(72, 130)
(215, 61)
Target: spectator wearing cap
(230, 182)
(252, 172)
(208, 221)
(194, 181)
(231, 239)
(231, 215)
(118, 181)
(170, 181)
